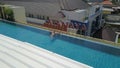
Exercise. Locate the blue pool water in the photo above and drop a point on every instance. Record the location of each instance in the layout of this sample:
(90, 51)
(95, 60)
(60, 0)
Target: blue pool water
(79, 50)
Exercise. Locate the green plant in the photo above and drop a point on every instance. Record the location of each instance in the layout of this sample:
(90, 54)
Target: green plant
(1, 3)
(119, 40)
(86, 18)
(9, 13)
(116, 2)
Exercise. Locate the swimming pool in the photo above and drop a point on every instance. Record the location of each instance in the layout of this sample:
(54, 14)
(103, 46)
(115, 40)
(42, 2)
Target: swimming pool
(89, 52)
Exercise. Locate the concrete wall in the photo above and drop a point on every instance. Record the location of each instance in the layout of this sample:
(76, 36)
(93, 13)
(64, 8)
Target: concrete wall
(108, 34)
(78, 16)
(19, 14)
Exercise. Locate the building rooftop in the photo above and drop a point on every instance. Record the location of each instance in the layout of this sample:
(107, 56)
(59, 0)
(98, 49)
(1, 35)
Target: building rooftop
(18, 54)
(47, 7)
(113, 18)
(106, 2)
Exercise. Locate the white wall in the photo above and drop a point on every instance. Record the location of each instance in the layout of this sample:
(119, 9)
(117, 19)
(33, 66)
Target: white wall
(91, 10)
(78, 16)
(19, 14)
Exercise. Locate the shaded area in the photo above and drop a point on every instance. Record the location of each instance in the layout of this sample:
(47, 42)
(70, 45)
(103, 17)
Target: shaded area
(109, 34)
(98, 33)
(119, 39)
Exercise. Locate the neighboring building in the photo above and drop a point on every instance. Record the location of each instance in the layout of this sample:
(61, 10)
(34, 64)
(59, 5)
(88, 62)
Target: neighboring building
(47, 8)
(90, 18)
(77, 15)
(117, 2)
(112, 20)
(107, 2)
(92, 1)
(107, 7)
(109, 31)
(110, 8)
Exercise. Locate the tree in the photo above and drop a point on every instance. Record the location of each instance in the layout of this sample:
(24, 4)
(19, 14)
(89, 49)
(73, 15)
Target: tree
(9, 13)
(117, 2)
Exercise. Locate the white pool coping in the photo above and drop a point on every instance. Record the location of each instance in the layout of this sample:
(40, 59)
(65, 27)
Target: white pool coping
(18, 54)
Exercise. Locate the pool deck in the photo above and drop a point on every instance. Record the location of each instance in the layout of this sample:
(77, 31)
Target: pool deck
(18, 54)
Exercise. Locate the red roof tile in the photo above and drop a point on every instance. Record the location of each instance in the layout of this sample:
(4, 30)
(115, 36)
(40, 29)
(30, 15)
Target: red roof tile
(106, 2)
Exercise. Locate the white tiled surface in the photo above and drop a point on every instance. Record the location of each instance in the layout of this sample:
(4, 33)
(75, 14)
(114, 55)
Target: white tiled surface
(17, 54)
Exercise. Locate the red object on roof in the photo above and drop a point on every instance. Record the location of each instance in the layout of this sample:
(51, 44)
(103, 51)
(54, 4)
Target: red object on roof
(107, 2)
